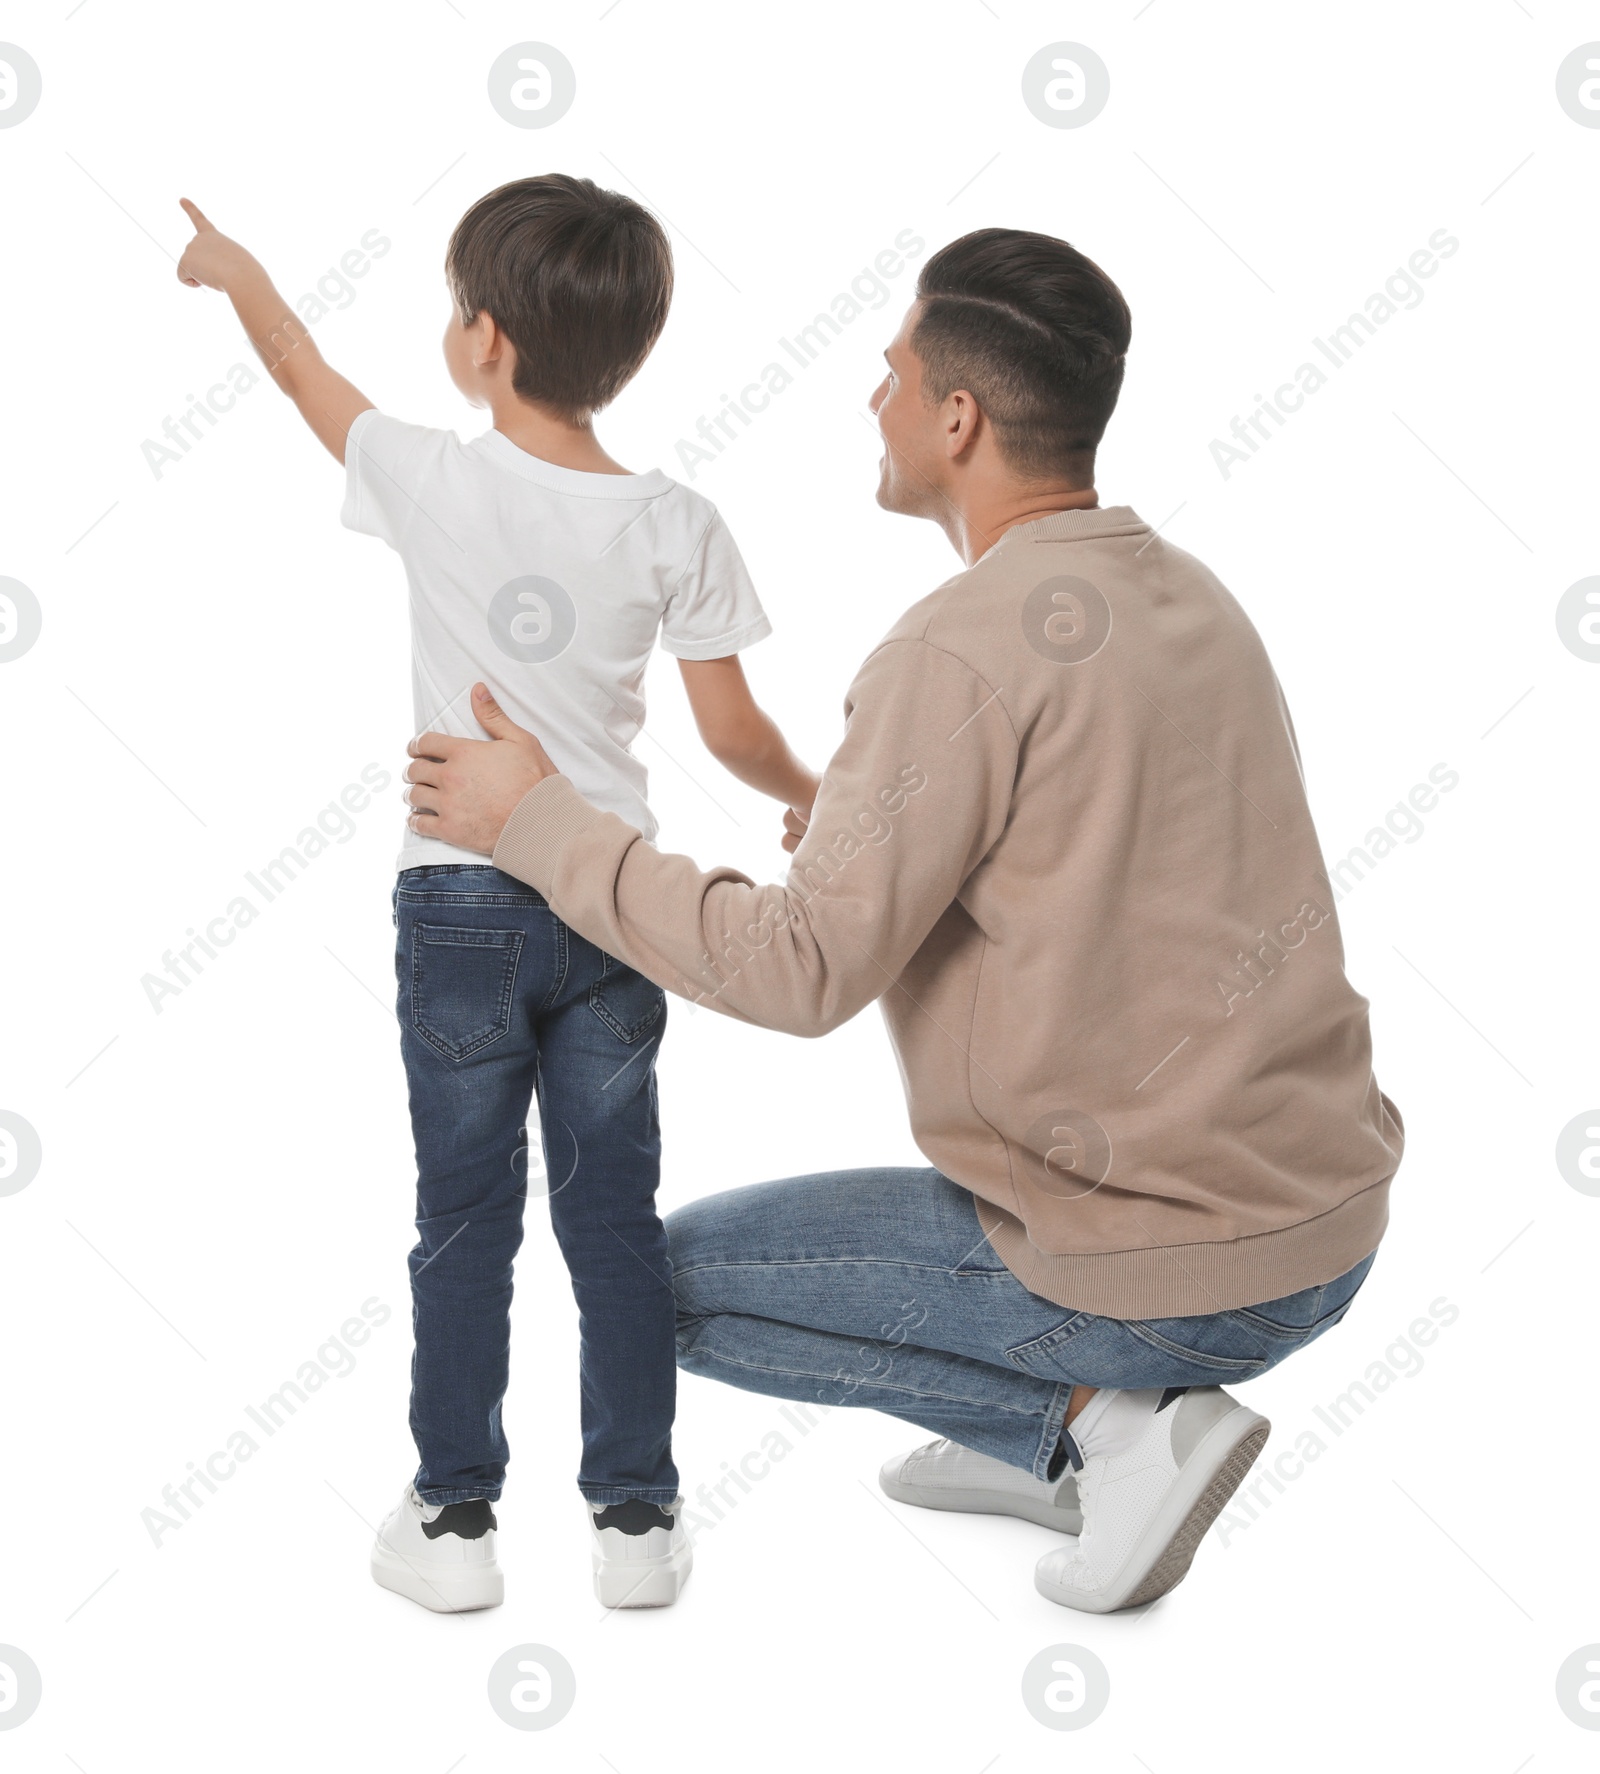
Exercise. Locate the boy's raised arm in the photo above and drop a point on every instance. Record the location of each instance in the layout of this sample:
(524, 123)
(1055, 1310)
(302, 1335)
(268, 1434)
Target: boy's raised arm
(327, 402)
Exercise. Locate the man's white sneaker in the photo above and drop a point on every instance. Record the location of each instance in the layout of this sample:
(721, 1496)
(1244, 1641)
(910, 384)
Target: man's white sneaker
(641, 1556)
(1157, 1469)
(945, 1475)
(439, 1555)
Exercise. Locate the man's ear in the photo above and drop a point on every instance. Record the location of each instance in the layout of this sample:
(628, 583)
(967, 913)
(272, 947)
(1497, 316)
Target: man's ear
(962, 420)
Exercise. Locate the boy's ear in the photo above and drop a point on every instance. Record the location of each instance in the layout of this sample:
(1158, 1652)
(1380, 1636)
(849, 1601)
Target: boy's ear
(489, 343)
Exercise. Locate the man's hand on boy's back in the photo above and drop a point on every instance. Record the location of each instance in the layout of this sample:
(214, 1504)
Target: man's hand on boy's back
(464, 790)
(328, 403)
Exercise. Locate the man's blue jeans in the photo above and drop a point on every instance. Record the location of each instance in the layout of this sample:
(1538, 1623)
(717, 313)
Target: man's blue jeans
(877, 1288)
(500, 1001)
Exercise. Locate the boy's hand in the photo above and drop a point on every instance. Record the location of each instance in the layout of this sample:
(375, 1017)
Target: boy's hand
(328, 403)
(211, 260)
(741, 736)
(797, 815)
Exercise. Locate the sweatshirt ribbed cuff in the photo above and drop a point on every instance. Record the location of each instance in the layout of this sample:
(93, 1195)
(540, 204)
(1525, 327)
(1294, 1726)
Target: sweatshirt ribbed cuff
(543, 823)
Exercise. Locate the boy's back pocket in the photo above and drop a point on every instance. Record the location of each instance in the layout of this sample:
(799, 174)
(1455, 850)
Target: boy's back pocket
(462, 982)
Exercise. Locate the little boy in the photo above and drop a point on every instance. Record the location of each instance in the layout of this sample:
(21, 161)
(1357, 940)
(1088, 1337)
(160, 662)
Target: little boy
(539, 565)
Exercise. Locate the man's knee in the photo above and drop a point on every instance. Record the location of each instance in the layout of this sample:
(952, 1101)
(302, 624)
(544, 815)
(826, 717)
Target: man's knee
(691, 1250)
(690, 1241)
(685, 1292)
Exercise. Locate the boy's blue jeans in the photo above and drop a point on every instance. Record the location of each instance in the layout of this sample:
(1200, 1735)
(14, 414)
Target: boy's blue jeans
(500, 1002)
(878, 1288)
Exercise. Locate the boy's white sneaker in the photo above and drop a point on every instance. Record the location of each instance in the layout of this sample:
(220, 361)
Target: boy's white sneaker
(641, 1553)
(439, 1555)
(1157, 1469)
(945, 1475)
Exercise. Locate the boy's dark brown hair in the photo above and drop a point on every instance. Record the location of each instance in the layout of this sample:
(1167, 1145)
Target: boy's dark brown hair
(1036, 333)
(578, 278)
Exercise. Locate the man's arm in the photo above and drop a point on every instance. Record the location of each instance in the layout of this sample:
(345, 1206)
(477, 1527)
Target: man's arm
(909, 805)
(327, 402)
(741, 735)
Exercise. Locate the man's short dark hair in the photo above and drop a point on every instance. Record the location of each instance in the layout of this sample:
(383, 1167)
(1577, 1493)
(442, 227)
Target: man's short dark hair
(1036, 333)
(578, 278)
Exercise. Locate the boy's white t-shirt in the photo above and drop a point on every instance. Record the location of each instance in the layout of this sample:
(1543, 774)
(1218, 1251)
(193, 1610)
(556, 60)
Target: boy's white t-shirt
(549, 585)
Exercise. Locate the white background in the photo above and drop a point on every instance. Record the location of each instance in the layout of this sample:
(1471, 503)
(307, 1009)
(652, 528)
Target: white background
(223, 1183)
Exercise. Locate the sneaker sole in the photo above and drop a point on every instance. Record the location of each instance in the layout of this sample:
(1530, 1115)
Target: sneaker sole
(1161, 1560)
(643, 1583)
(436, 1591)
(960, 1502)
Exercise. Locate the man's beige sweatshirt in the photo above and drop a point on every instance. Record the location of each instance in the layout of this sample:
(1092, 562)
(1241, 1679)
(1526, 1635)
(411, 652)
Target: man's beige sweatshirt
(1066, 841)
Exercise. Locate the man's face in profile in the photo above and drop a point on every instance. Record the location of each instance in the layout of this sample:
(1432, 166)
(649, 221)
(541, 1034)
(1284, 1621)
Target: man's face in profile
(909, 477)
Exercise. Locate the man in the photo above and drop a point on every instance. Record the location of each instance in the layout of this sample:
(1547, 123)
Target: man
(1066, 841)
